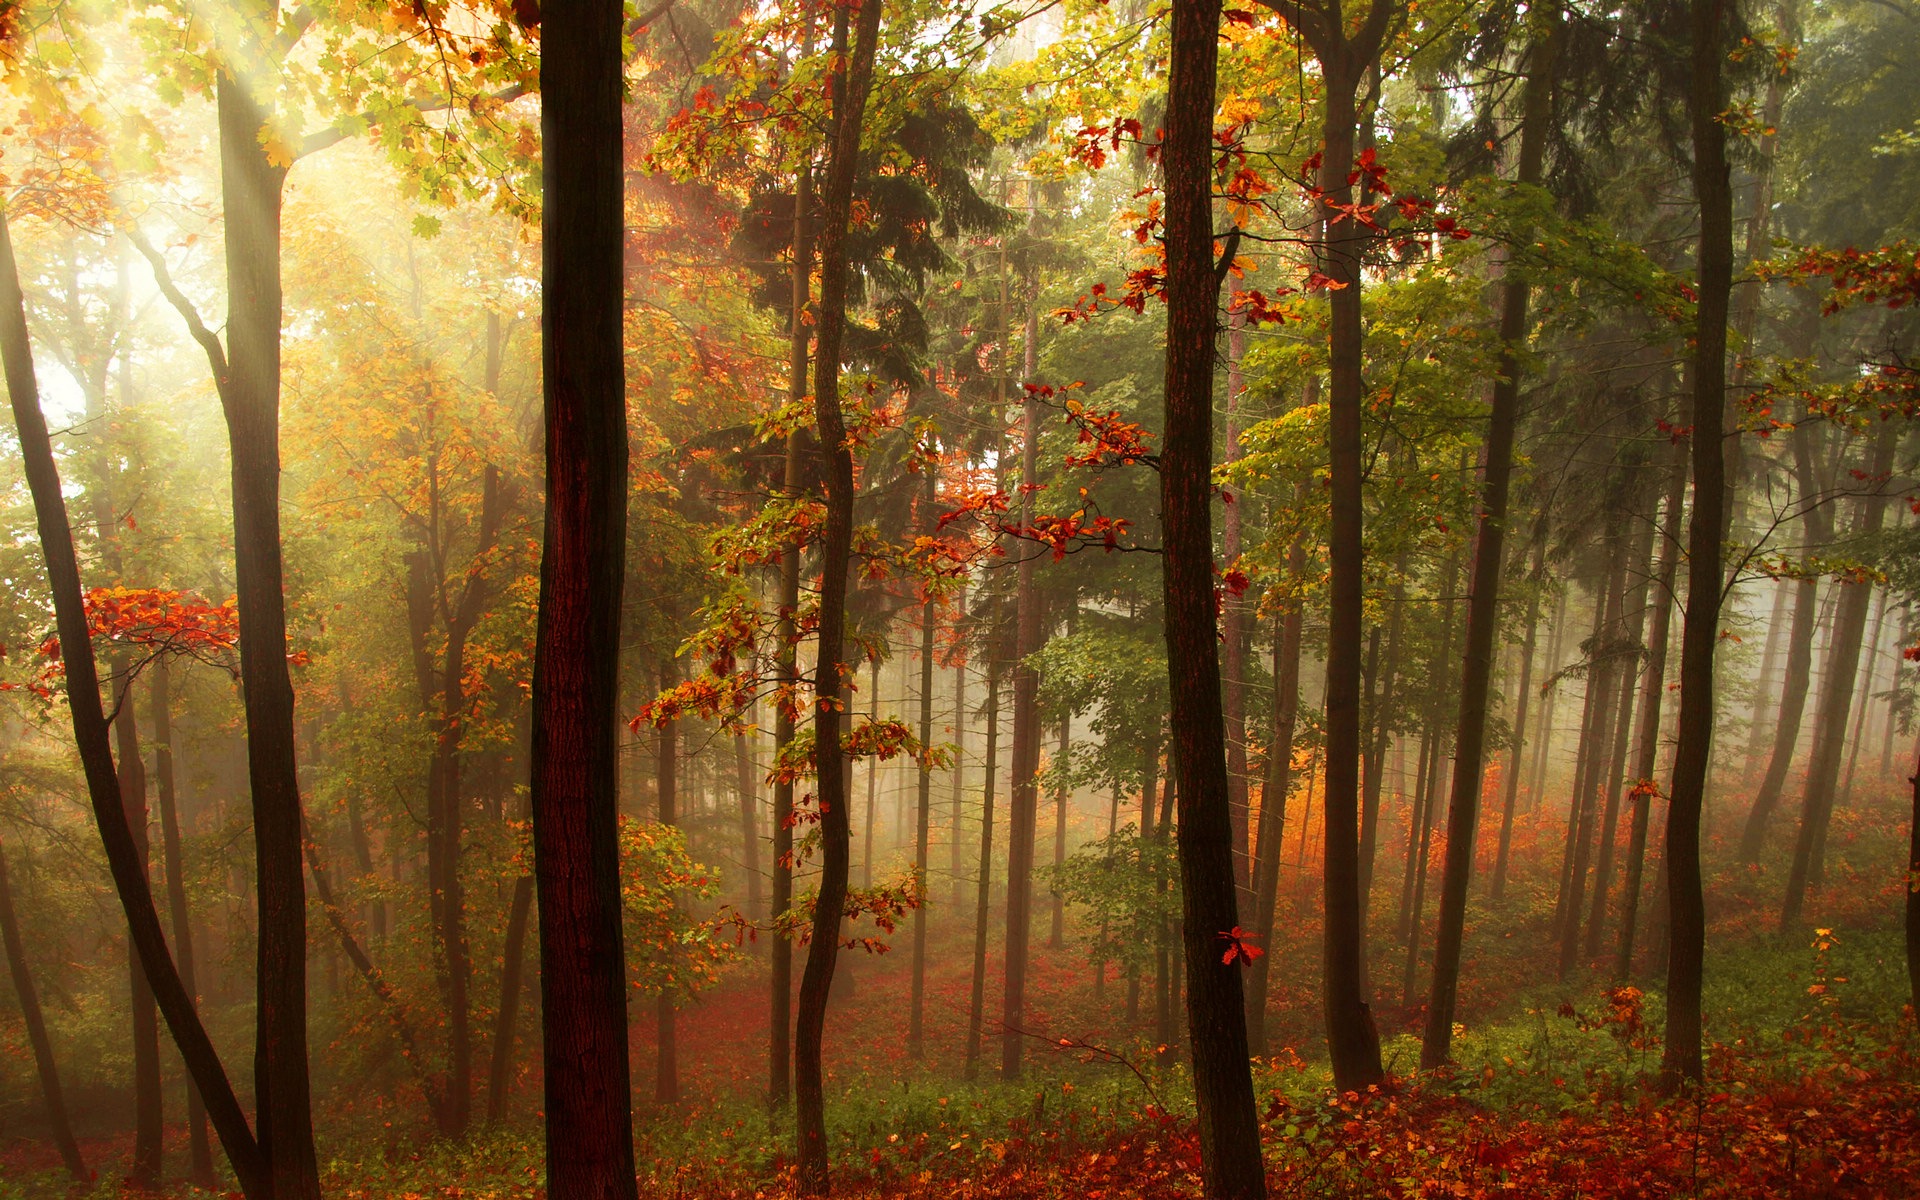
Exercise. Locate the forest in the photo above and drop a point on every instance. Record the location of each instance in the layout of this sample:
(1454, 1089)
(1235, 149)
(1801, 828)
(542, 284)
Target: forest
(960, 599)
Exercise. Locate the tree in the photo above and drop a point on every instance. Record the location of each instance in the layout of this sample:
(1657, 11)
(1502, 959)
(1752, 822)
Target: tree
(1230, 1162)
(43, 1060)
(575, 780)
(851, 81)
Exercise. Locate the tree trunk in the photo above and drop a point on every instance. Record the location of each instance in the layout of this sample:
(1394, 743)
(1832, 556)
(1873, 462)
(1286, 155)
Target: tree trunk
(849, 86)
(1273, 798)
(36, 1023)
(1593, 733)
(1523, 701)
(1057, 931)
(1236, 626)
(1210, 855)
(983, 890)
(1843, 660)
(780, 1045)
(872, 773)
(1818, 523)
(923, 818)
(1701, 629)
(91, 737)
(1913, 897)
(743, 785)
(1430, 796)
(513, 956)
(666, 1075)
(1536, 787)
(1603, 681)
(1379, 731)
(200, 1152)
(144, 1171)
(576, 672)
(1653, 687)
(955, 865)
(1353, 1041)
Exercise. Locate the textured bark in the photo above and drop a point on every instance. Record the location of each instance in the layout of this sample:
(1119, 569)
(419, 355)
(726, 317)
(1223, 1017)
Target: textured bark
(851, 80)
(1686, 913)
(36, 1023)
(1210, 855)
(91, 737)
(1653, 688)
(160, 686)
(576, 670)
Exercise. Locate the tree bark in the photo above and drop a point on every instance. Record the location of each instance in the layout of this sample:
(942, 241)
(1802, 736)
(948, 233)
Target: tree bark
(923, 817)
(1230, 1162)
(1236, 626)
(36, 1024)
(512, 973)
(850, 82)
(666, 1074)
(983, 890)
(1603, 682)
(1523, 703)
(1273, 797)
(1057, 929)
(955, 864)
(576, 672)
(144, 1172)
(749, 824)
(91, 736)
(1700, 635)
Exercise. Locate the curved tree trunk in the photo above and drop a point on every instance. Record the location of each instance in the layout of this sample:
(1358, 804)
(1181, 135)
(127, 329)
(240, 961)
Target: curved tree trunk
(852, 78)
(576, 666)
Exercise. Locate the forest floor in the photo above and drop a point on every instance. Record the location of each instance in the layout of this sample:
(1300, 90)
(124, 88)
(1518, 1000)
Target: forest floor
(1813, 1086)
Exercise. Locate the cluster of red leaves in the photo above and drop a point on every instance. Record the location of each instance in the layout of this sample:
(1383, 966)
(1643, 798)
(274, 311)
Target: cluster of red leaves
(1888, 275)
(1420, 214)
(153, 621)
(1091, 144)
(1106, 439)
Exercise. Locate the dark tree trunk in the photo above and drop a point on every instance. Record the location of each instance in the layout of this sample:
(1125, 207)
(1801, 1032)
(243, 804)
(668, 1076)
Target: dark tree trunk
(1523, 702)
(923, 818)
(1595, 706)
(1818, 524)
(1230, 1162)
(666, 1074)
(1483, 602)
(1450, 580)
(144, 1172)
(91, 737)
(576, 672)
(512, 974)
(1382, 690)
(983, 890)
(850, 83)
(1686, 913)
(779, 1048)
(199, 1151)
(1843, 661)
(1148, 785)
(1640, 559)
(1603, 679)
(1653, 687)
(1273, 798)
(36, 1023)
(1236, 628)
(251, 193)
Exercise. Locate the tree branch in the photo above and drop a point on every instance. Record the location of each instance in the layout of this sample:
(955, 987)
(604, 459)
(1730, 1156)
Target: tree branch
(216, 354)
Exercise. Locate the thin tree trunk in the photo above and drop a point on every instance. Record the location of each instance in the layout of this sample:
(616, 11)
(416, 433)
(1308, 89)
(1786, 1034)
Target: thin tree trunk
(1592, 732)
(1653, 687)
(144, 1172)
(1523, 701)
(983, 889)
(1211, 849)
(1273, 797)
(91, 737)
(1913, 894)
(666, 1074)
(1236, 627)
(923, 819)
(873, 776)
(1681, 1060)
(199, 1150)
(1602, 676)
(851, 79)
(1057, 931)
(1536, 787)
(1869, 669)
(1843, 660)
(512, 972)
(747, 793)
(576, 670)
(36, 1023)
(955, 864)
(1380, 734)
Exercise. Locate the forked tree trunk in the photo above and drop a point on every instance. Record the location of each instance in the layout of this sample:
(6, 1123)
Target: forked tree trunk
(91, 737)
(852, 77)
(36, 1024)
(1230, 1161)
(576, 667)
(1686, 913)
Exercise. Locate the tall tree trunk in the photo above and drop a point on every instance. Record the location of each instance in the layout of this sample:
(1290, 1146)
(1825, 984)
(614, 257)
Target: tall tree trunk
(1430, 795)
(1913, 895)
(955, 822)
(507, 1015)
(1353, 1041)
(1602, 681)
(747, 794)
(1843, 660)
(1023, 787)
(1483, 602)
(1236, 625)
(1763, 686)
(923, 817)
(666, 1075)
(1686, 913)
(1869, 671)
(1273, 796)
(1057, 929)
(91, 737)
(780, 1046)
(36, 1023)
(1210, 854)
(850, 82)
(1536, 787)
(1817, 522)
(1594, 704)
(1379, 731)
(872, 773)
(251, 187)
(199, 1150)
(1523, 702)
(1653, 687)
(576, 670)
(983, 887)
(1148, 784)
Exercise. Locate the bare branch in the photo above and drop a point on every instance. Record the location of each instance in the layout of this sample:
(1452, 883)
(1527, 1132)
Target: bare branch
(216, 354)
